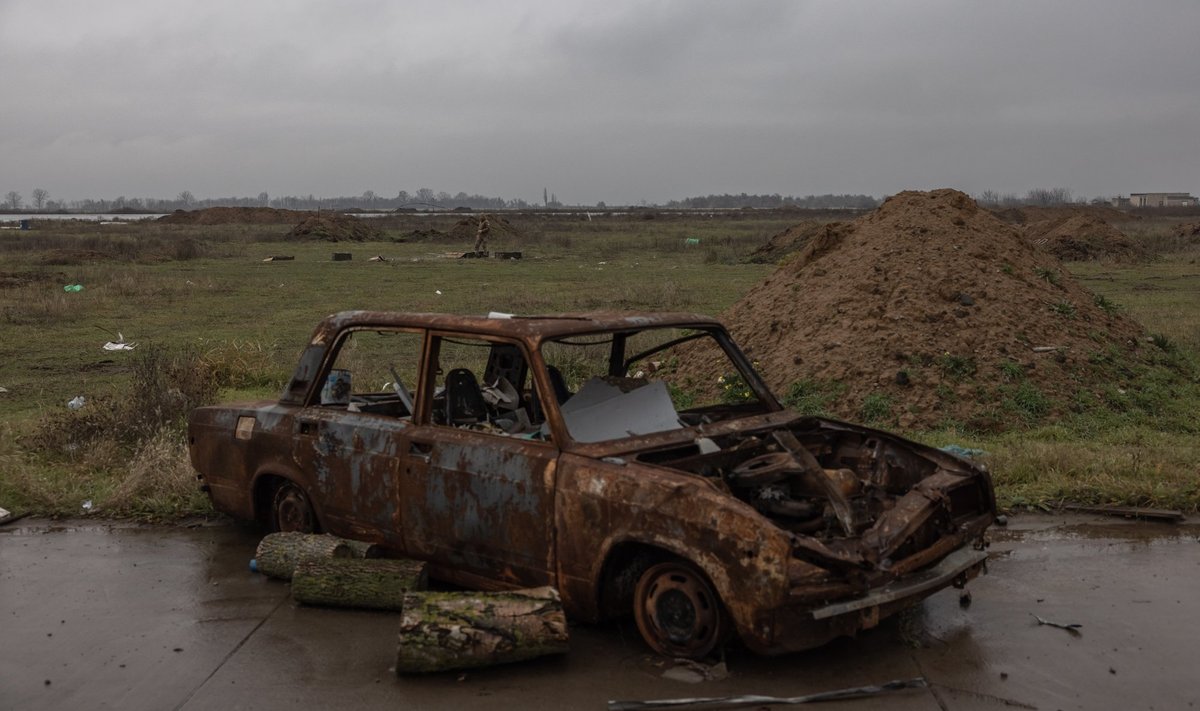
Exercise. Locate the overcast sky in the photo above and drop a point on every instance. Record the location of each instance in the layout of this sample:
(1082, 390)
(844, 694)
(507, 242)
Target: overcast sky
(614, 101)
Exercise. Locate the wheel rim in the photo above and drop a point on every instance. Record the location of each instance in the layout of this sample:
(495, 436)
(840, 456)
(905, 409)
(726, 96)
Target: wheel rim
(292, 510)
(677, 611)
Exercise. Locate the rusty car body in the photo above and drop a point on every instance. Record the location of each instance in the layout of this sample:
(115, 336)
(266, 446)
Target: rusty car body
(701, 519)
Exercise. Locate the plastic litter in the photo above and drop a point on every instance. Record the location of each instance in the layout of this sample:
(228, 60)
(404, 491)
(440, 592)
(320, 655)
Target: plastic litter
(87, 505)
(119, 344)
(254, 565)
(73, 287)
(964, 452)
(76, 402)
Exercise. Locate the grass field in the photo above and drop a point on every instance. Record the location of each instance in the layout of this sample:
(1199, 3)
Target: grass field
(212, 320)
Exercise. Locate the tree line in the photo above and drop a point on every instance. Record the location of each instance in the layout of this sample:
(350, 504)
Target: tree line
(426, 198)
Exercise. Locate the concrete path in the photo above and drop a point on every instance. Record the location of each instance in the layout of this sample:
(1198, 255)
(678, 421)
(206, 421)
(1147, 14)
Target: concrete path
(99, 616)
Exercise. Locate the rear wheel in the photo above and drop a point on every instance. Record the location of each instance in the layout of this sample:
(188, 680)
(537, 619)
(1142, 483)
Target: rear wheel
(677, 611)
(291, 510)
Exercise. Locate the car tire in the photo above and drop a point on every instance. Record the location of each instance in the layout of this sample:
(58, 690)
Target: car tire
(678, 612)
(291, 511)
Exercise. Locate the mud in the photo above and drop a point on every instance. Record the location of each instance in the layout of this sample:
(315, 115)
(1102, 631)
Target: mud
(138, 617)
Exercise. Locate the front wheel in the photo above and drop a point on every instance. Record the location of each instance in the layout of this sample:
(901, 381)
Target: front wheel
(291, 510)
(678, 612)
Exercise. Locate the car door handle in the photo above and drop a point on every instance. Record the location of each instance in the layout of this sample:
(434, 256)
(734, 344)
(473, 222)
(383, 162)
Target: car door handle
(420, 451)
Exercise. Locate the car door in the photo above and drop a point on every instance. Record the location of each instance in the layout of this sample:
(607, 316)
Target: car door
(352, 436)
(476, 501)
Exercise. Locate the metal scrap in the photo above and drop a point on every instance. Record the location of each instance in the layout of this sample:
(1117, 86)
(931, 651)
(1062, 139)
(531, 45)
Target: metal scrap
(737, 702)
(1072, 627)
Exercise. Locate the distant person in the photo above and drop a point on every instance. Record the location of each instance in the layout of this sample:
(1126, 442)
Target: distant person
(481, 234)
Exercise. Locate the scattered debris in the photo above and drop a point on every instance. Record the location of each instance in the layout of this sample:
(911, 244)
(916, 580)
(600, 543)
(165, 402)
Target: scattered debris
(1168, 515)
(5, 515)
(76, 402)
(965, 452)
(279, 553)
(378, 258)
(87, 505)
(119, 344)
(746, 701)
(280, 258)
(441, 631)
(692, 672)
(74, 288)
(3, 389)
(1072, 627)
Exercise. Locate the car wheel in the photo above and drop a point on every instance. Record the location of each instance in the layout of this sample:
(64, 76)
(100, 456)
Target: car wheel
(677, 611)
(291, 510)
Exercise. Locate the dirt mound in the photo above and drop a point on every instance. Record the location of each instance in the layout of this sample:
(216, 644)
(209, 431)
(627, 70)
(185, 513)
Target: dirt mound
(928, 312)
(793, 239)
(1083, 238)
(1031, 214)
(233, 216)
(335, 227)
(465, 229)
(1188, 230)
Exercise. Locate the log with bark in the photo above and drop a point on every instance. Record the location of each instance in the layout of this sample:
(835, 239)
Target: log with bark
(377, 584)
(279, 553)
(444, 631)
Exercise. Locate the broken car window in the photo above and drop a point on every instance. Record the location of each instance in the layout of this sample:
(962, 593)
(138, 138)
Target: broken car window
(625, 384)
(484, 385)
(374, 372)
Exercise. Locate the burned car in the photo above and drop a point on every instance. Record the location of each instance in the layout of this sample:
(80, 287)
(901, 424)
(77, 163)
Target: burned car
(569, 451)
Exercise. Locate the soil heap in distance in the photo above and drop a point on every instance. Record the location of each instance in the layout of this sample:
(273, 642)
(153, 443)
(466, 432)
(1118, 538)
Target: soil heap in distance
(928, 312)
(335, 227)
(1082, 237)
(233, 216)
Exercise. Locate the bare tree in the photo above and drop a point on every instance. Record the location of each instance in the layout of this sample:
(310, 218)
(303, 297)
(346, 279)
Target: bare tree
(186, 198)
(13, 200)
(988, 197)
(39, 198)
(369, 198)
(264, 199)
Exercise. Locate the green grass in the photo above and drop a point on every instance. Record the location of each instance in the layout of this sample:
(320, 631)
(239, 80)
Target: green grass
(204, 291)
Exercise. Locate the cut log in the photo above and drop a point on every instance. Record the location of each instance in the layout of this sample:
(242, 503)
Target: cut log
(444, 631)
(362, 549)
(279, 553)
(375, 584)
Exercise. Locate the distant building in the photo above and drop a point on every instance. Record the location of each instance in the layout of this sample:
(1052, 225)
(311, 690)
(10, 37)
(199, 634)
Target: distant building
(1156, 200)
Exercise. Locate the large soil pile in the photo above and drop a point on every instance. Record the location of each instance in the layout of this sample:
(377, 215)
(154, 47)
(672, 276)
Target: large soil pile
(233, 216)
(1083, 237)
(929, 311)
(335, 227)
(793, 239)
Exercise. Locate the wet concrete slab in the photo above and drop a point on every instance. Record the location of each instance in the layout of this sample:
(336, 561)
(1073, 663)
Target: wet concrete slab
(134, 617)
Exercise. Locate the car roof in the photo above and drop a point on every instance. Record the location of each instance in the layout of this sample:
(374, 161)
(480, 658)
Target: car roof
(531, 327)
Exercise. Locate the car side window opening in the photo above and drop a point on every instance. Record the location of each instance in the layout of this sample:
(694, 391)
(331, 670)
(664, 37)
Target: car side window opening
(631, 383)
(485, 386)
(374, 372)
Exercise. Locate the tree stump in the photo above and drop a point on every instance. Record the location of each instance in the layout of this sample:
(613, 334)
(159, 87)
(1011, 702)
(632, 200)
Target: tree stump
(279, 553)
(376, 584)
(443, 631)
